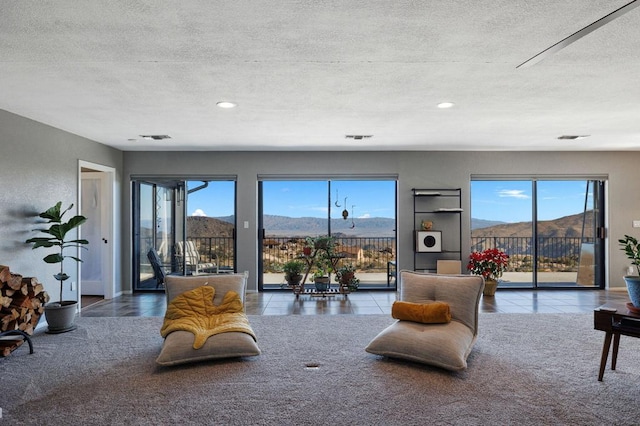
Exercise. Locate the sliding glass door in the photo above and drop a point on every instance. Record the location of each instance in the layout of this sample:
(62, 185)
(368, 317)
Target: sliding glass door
(551, 229)
(358, 214)
(190, 224)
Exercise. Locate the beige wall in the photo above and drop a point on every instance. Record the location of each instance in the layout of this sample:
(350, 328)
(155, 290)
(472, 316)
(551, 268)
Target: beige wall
(414, 169)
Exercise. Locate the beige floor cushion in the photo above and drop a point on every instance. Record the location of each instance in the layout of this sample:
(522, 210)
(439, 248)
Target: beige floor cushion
(178, 345)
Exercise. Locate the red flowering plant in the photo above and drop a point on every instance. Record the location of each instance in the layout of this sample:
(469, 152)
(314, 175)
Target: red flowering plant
(489, 263)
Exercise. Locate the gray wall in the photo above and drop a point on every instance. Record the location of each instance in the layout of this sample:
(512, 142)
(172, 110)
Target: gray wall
(414, 169)
(39, 167)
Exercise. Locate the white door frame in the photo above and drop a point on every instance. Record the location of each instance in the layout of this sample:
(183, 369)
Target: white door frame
(109, 199)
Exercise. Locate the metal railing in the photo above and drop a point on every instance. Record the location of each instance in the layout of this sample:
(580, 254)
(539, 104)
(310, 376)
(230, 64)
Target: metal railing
(555, 254)
(367, 254)
(373, 254)
(219, 250)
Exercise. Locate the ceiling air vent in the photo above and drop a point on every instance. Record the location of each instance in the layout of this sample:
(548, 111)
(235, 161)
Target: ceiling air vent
(358, 137)
(572, 137)
(155, 137)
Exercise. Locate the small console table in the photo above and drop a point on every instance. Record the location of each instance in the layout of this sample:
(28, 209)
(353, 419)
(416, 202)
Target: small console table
(615, 320)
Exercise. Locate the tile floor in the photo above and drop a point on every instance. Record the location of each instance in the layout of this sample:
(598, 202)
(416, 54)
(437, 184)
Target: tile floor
(365, 303)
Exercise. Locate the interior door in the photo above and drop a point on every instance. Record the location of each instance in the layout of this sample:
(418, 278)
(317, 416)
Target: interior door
(95, 260)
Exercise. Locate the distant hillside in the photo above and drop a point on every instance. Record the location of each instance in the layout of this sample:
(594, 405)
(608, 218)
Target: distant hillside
(202, 226)
(482, 223)
(277, 226)
(365, 227)
(567, 226)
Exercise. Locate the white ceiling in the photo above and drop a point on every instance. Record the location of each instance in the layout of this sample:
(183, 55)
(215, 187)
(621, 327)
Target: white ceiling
(306, 73)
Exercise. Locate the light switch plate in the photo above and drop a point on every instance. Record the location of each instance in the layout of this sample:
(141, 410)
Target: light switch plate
(636, 223)
(246, 224)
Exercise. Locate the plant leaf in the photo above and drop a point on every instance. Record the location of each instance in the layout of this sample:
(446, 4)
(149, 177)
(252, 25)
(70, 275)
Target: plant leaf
(53, 258)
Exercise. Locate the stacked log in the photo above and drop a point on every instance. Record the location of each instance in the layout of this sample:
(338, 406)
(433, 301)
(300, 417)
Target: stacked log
(22, 303)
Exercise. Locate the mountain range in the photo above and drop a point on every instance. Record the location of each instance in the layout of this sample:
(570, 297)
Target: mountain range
(276, 226)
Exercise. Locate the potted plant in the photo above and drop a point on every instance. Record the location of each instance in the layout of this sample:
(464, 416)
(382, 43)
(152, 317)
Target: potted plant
(490, 264)
(308, 247)
(293, 272)
(324, 242)
(346, 277)
(630, 246)
(60, 315)
(321, 279)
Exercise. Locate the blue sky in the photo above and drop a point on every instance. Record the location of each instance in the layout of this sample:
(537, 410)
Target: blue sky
(511, 201)
(504, 201)
(302, 199)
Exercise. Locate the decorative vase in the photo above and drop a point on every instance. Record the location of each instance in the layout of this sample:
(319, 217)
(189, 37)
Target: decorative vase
(61, 317)
(322, 283)
(490, 287)
(633, 288)
(293, 280)
(345, 279)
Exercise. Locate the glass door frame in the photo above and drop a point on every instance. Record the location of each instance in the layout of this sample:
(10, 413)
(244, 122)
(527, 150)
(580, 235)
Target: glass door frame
(390, 284)
(598, 223)
(179, 195)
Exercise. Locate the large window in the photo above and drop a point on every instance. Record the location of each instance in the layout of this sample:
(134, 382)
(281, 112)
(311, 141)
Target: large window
(189, 223)
(551, 229)
(359, 214)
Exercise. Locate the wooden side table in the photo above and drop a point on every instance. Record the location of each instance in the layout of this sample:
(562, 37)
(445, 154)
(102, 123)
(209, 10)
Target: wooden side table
(615, 320)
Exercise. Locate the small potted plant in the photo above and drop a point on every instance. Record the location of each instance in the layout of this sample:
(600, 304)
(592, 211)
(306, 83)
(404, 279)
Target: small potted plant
(490, 264)
(631, 247)
(346, 277)
(308, 247)
(321, 279)
(324, 242)
(60, 315)
(293, 272)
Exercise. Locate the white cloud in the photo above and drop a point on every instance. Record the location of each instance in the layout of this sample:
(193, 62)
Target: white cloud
(198, 212)
(512, 193)
(364, 216)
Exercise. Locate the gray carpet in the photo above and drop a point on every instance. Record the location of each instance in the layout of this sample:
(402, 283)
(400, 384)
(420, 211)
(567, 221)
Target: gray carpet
(525, 369)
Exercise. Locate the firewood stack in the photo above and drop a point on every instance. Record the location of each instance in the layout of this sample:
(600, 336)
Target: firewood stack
(21, 305)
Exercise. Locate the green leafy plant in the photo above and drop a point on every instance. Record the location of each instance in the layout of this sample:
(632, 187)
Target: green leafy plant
(346, 275)
(631, 247)
(58, 233)
(292, 268)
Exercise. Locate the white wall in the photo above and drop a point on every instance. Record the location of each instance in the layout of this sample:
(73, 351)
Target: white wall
(415, 169)
(39, 167)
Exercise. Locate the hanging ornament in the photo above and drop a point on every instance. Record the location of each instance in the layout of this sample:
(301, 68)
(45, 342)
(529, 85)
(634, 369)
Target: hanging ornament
(336, 203)
(353, 224)
(345, 212)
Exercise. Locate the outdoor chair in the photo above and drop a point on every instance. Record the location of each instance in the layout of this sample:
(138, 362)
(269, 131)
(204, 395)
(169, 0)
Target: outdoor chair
(188, 253)
(439, 324)
(156, 265)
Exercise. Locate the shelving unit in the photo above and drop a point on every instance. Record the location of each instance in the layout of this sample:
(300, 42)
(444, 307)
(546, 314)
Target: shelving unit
(442, 207)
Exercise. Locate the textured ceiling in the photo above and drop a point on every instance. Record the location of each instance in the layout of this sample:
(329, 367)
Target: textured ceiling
(306, 73)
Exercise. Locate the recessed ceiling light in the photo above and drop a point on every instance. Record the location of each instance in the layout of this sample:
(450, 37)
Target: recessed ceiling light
(155, 137)
(573, 137)
(226, 104)
(444, 105)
